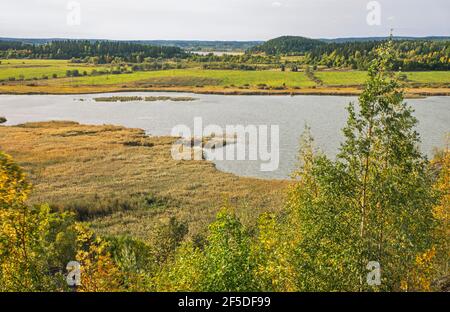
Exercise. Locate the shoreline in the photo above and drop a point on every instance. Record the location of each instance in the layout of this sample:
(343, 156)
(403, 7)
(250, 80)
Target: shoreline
(325, 91)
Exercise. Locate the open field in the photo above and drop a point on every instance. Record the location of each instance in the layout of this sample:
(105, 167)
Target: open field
(429, 77)
(124, 182)
(348, 78)
(341, 78)
(200, 80)
(29, 69)
(192, 77)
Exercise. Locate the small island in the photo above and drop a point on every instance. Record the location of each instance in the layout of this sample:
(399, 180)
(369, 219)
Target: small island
(146, 99)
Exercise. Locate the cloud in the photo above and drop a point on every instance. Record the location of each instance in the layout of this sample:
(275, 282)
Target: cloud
(276, 4)
(219, 19)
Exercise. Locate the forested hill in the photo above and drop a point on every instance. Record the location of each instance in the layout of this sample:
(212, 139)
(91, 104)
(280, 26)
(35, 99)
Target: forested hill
(288, 45)
(104, 50)
(396, 38)
(410, 54)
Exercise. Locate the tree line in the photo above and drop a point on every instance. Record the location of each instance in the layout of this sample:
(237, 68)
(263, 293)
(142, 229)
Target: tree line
(410, 54)
(104, 51)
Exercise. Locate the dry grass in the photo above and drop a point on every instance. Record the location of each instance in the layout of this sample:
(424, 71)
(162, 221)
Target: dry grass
(44, 87)
(125, 181)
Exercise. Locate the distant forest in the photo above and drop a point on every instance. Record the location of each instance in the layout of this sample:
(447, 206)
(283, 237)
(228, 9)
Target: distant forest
(103, 51)
(410, 54)
(188, 45)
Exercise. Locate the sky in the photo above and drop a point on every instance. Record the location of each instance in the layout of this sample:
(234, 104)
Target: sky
(221, 19)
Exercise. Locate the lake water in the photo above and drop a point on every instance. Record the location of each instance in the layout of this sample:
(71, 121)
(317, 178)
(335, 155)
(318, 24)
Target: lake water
(326, 115)
(217, 53)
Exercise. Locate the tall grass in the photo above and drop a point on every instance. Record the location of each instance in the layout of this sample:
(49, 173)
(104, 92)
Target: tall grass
(124, 182)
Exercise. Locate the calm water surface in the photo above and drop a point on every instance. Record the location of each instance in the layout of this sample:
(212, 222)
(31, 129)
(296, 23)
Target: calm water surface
(325, 114)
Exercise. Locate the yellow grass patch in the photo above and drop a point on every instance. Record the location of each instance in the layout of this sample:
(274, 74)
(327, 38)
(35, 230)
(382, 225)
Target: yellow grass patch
(84, 167)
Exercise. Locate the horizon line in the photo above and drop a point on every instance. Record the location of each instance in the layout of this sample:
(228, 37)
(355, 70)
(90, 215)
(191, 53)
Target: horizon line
(221, 40)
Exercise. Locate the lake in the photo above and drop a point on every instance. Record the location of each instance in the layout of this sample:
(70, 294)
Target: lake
(326, 115)
(216, 53)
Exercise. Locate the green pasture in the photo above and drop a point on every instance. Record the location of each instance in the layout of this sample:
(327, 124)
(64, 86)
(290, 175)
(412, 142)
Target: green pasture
(29, 69)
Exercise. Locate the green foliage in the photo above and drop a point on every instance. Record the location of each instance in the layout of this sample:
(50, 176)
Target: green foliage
(224, 264)
(29, 236)
(185, 272)
(36, 244)
(29, 257)
(374, 203)
(410, 54)
(272, 254)
(227, 265)
(167, 238)
(72, 73)
(136, 261)
(288, 45)
(105, 51)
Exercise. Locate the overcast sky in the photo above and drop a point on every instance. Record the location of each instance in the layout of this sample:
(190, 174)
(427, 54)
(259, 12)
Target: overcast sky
(220, 19)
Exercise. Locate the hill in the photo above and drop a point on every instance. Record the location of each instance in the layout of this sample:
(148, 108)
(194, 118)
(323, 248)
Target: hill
(369, 39)
(288, 45)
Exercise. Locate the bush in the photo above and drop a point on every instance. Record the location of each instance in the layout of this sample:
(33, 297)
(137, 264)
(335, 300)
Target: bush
(91, 208)
(72, 73)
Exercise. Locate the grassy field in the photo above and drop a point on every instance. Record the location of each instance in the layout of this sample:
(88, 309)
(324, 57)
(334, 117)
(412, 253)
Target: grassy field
(429, 77)
(199, 80)
(203, 77)
(341, 78)
(124, 182)
(346, 78)
(29, 69)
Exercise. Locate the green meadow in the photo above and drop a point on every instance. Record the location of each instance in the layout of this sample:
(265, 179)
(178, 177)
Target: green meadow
(191, 77)
(429, 77)
(29, 69)
(341, 78)
(40, 69)
(347, 78)
(223, 78)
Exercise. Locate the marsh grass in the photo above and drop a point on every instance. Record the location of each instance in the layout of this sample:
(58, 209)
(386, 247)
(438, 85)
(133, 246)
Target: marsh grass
(88, 209)
(118, 99)
(125, 183)
(146, 99)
